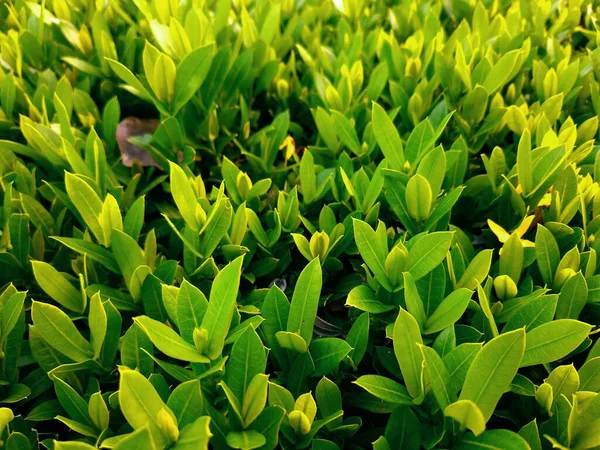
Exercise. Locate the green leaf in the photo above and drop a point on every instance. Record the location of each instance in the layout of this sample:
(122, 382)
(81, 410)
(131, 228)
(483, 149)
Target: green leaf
(168, 341)
(91, 250)
(128, 254)
(327, 353)
(449, 311)
(385, 389)
(55, 327)
(245, 440)
(305, 301)
(418, 198)
(223, 294)
(468, 414)
(388, 138)
(87, 202)
(72, 402)
(255, 398)
(492, 371)
(141, 405)
(358, 338)
(195, 436)
(554, 340)
(97, 322)
(407, 339)
(58, 287)
(500, 73)
(573, 297)
(438, 376)
(191, 308)
(428, 253)
(191, 72)
(476, 271)
(414, 305)
(495, 440)
(186, 402)
(372, 250)
(547, 254)
(184, 196)
(248, 359)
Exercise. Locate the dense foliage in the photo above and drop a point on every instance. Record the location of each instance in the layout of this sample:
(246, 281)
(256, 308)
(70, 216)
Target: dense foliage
(358, 224)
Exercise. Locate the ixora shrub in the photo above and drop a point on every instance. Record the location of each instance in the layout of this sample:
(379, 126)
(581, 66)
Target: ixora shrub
(372, 224)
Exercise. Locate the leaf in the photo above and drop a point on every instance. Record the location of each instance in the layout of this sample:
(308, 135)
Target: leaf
(87, 202)
(55, 327)
(191, 72)
(247, 359)
(327, 353)
(492, 371)
(573, 297)
(403, 429)
(141, 405)
(547, 254)
(358, 338)
(476, 271)
(255, 398)
(305, 301)
(554, 340)
(388, 138)
(58, 287)
(186, 402)
(428, 253)
(468, 414)
(414, 305)
(407, 339)
(385, 389)
(195, 436)
(495, 440)
(245, 440)
(128, 254)
(168, 341)
(184, 196)
(223, 294)
(72, 402)
(438, 376)
(501, 72)
(97, 322)
(191, 308)
(449, 311)
(91, 250)
(372, 251)
(364, 299)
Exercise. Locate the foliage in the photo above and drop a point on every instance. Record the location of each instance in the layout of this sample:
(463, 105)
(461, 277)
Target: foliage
(365, 224)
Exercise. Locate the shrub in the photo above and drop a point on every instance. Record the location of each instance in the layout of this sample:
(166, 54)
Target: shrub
(310, 224)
